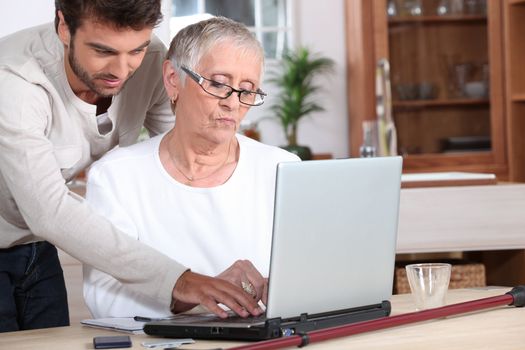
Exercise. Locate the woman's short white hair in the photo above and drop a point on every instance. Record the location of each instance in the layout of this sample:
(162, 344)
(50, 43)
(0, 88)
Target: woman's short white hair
(192, 42)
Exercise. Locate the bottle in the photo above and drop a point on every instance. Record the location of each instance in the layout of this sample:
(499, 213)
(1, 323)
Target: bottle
(369, 147)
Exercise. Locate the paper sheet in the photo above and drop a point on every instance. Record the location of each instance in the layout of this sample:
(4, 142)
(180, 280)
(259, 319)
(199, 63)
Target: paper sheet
(121, 324)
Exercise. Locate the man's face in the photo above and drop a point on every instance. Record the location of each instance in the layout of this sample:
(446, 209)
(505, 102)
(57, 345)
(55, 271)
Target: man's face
(101, 58)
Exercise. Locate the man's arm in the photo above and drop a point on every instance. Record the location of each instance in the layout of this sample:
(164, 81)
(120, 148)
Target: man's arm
(33, 178)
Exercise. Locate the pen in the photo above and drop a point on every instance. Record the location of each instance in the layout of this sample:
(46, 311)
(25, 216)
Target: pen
(150, 319)
(167, 344)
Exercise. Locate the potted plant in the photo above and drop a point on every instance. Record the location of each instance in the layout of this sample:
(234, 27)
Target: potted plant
(296, 96)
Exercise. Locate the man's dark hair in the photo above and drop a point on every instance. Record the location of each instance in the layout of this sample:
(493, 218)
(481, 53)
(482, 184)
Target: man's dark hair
(134, 14)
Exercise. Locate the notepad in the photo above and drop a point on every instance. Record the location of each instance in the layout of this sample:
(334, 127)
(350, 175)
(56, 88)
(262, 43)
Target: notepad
(120, 324)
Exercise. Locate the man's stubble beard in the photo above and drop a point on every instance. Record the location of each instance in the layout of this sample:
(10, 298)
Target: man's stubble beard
(88, 80)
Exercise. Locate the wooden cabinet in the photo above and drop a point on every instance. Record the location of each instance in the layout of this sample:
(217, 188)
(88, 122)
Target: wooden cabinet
(514, 20)
(417, 48)
(447, 80)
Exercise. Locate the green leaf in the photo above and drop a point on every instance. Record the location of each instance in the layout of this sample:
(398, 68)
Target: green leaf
(297, 89)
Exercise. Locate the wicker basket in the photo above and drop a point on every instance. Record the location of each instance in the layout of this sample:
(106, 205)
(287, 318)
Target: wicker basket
(463, 275)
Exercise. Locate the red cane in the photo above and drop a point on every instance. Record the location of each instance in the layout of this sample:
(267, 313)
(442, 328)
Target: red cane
(514, 297)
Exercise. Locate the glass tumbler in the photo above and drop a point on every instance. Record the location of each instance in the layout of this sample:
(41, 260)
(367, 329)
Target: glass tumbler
(428, 284)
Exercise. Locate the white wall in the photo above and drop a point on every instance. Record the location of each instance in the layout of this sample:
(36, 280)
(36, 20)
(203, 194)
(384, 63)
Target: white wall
(322, 27)
(319, 25)
(16, 15)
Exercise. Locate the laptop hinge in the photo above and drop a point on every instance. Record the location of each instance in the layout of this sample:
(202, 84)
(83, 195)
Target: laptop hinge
(273, 326)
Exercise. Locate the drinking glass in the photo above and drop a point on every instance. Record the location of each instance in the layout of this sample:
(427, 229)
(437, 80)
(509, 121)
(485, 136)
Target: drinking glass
(391, 8)
(428, 284)
(443, 8)
(456, 7)
(411, 8)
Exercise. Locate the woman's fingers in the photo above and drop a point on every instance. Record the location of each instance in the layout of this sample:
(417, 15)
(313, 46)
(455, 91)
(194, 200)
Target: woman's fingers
(209, 292)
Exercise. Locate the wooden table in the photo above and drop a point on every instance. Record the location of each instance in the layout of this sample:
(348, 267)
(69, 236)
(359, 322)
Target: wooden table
(499, 328)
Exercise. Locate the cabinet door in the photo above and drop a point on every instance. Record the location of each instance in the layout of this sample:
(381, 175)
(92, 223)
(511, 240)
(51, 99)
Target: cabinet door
(514, 19)
(446, 78)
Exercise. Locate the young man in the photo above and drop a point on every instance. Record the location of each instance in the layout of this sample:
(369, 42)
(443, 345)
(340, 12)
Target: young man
(69, 94)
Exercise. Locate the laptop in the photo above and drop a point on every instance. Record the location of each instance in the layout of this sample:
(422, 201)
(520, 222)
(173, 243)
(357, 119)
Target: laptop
(332, 256)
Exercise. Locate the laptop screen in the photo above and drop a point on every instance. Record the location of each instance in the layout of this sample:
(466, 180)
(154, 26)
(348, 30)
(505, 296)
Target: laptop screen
(334, 235)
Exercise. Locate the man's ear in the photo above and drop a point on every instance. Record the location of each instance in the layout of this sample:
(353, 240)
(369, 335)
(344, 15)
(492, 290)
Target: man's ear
(63, 30)
(171, 80)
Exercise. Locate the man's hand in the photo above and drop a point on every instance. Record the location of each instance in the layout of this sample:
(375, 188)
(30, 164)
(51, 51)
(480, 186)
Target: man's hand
(192, 288)
(242, 273)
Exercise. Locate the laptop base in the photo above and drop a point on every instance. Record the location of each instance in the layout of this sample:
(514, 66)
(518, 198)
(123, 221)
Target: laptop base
(271, 328)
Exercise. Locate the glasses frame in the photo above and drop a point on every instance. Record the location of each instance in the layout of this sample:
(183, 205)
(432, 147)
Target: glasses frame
(199, 79)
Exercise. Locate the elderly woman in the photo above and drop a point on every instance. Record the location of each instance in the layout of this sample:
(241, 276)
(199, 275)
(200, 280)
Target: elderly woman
(201, 193)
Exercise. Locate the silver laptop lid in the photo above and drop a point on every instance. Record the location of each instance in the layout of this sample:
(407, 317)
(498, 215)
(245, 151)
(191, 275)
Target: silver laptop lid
(334, 235)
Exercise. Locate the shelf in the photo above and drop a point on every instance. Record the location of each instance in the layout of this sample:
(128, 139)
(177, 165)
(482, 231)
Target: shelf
(410, 104)
(475, 161)
(393, 21)
(439, 179)
(518, 97)
(424, 49)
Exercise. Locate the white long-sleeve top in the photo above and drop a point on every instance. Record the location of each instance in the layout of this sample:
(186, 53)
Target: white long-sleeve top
(206, 229)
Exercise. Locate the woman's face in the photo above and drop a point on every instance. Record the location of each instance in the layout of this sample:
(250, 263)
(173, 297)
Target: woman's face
(211, 117)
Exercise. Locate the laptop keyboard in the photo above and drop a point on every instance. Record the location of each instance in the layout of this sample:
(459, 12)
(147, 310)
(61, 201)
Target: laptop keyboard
(238, 319)
(233, 318)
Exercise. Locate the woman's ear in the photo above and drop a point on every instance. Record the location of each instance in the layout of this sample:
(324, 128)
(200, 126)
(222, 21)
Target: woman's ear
(171, 80)
(63, 30)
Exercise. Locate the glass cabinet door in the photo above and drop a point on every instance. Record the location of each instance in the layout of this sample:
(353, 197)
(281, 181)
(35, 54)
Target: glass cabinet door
(440, 74)
(514, 14)
(446, 77)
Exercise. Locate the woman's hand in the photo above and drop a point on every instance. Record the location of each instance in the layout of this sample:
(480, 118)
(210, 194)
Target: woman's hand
(192, 289)
(242, 273)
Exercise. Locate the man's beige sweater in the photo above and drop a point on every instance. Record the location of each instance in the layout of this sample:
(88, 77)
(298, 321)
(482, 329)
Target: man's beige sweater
(48, 135)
